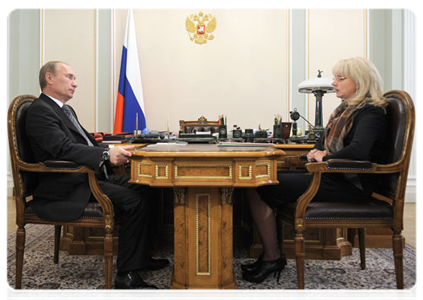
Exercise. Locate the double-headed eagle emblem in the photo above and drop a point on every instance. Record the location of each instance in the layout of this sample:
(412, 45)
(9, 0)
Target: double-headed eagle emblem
(200, 27)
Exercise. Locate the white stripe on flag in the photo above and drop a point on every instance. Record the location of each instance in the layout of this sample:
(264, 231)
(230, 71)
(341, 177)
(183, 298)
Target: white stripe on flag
(133, 72)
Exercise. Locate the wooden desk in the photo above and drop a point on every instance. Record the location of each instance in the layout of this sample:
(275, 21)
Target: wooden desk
(321, 244)
(203, 178)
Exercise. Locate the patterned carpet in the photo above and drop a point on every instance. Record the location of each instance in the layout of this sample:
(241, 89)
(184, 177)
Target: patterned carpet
(87, 272)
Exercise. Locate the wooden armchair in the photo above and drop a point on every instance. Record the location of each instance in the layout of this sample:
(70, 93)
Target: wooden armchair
(385, 210)
(200, 125)
(96, 214)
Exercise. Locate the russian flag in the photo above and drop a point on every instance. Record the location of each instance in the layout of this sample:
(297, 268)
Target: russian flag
(130, 99)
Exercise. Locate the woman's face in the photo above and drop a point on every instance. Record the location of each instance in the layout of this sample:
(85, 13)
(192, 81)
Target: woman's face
(345, 87)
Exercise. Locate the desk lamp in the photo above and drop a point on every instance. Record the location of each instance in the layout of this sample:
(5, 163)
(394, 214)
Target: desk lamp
(318, 86)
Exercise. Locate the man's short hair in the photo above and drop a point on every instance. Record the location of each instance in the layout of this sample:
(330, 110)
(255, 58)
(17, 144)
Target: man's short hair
(50, 67)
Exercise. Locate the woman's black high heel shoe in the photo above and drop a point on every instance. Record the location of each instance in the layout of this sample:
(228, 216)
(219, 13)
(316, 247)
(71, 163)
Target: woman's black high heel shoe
(251, 267)
(264, 269)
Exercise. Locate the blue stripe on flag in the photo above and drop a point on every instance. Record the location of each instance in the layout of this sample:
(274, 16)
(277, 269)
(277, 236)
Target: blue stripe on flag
(131, 108)
(122, 75)
(131, 105)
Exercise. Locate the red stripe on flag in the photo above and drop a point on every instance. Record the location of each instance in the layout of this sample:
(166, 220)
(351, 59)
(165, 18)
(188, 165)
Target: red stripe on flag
(119, 114)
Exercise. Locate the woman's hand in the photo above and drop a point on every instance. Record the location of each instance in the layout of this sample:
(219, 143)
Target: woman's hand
(316, 155)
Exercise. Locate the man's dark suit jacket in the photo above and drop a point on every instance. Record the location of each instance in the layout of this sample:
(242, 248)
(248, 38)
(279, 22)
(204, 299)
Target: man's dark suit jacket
(59, 196)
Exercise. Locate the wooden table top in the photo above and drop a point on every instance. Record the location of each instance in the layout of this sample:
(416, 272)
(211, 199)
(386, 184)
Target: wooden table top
(205, 150)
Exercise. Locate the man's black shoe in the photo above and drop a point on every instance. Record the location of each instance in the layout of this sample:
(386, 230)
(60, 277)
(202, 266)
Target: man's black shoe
(155, 264)
(131, 280)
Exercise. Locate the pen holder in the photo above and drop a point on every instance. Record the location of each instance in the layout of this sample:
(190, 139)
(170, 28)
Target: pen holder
(277, 134)
(277, 131)
(249, 135)
(223, 133)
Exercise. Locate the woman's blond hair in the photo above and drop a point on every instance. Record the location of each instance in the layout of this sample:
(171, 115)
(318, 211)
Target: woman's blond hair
(367, 79)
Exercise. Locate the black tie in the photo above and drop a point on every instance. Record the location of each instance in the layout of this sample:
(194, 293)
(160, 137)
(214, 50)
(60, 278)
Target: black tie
(75, 123)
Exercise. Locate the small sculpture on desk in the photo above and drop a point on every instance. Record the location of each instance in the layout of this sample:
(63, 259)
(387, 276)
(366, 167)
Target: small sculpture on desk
(237, 134)
(311, 136)
(261, 136)
(295, 115)
(249, 135)
(308, 139)
(149, 137)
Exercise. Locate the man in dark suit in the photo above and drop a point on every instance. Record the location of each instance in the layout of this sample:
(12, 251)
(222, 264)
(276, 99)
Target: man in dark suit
(55, 133)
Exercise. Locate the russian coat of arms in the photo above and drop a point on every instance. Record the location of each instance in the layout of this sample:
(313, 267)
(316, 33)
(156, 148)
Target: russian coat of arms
(200, 27)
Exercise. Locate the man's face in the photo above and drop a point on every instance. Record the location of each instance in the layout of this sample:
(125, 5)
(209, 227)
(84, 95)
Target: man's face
(62, 85)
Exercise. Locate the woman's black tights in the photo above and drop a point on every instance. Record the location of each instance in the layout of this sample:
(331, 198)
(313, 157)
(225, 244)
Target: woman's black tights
(265, 220)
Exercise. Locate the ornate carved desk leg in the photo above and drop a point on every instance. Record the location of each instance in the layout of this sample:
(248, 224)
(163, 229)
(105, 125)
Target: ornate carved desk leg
(179, 276)
(228, 277)
(203, 239)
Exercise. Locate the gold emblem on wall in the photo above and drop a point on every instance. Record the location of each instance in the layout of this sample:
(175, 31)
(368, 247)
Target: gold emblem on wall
(200, 27)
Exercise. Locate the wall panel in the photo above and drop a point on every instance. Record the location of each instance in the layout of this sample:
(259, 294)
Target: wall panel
(69, 35)
(409, 76)
(333, 35)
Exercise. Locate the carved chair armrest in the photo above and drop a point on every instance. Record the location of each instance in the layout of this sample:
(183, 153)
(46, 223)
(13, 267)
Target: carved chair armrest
(338, 166)
(329, 166)
(348, 164)
(354, 166)
(61, 166)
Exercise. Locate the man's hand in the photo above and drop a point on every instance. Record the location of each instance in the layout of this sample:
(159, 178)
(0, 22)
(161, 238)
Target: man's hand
(316, 155)
(119, 154)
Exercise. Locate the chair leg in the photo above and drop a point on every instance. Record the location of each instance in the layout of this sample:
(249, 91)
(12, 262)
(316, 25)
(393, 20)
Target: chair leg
(362, 245)
(299, 258)
(57, 231)
(108, 259)
(398, 241)
(20, 248)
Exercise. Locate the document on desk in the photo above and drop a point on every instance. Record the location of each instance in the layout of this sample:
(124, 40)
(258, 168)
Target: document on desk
(238, 144)
(158, 145)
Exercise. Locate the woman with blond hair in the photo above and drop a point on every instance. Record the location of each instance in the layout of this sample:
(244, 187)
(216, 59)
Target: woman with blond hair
(356, 130)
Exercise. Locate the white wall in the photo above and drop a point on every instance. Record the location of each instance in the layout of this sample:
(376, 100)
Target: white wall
(329, 43)
(410, 71)
(69, 35)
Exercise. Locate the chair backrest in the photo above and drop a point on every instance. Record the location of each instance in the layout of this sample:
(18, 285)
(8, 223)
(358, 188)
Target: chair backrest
(20, 148)
(200, 125)
(401, 121)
